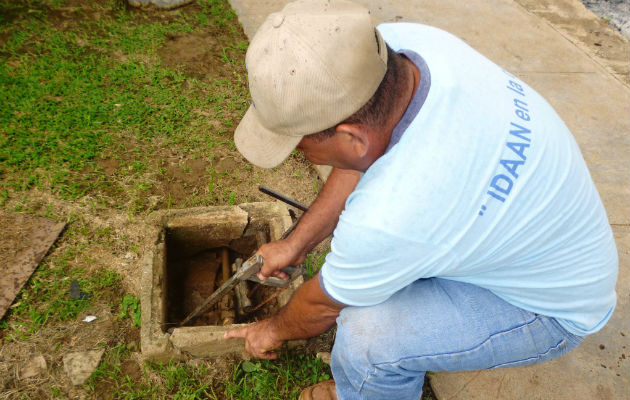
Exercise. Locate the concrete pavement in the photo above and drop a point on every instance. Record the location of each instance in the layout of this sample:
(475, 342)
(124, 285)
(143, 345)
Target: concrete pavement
(592, 96)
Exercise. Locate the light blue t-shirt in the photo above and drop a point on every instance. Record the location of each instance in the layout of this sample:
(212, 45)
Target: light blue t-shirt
(486, 186)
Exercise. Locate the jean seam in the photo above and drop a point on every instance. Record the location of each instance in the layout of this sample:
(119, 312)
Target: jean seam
(537, 357)
(462, 351)
(367, 376)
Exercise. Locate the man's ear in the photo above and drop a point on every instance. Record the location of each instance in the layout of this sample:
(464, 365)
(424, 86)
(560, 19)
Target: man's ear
(356, 138)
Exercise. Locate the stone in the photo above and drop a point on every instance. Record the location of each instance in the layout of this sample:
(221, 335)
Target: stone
(324, 357)
(36, 365)
(160, 4)
(206, 341)
(192, 232)
(260, 215)
(80, 365)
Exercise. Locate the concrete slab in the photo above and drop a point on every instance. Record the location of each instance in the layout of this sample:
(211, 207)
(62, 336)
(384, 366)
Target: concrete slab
(582, 27)
(499, 29)
(252, 13)
(24, 242)
(589, 90)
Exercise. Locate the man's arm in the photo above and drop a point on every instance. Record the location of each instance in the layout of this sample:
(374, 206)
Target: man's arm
(309, 312)
(314, 226)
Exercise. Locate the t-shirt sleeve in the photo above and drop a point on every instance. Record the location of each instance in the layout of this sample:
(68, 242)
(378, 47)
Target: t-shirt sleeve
(367, 265)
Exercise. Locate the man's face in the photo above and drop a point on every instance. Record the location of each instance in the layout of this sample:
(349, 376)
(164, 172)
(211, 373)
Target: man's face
(322, 152)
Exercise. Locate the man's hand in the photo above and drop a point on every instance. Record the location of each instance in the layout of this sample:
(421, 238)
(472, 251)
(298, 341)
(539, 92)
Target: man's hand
(315, 225)
(260, 339)
(278, 255)
(308, 313)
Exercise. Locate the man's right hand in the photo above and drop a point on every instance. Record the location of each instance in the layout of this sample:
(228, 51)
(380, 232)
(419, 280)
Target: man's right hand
(315, 225)
(278, 255)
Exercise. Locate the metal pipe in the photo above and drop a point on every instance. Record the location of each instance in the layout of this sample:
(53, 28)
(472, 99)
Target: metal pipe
(283, 198)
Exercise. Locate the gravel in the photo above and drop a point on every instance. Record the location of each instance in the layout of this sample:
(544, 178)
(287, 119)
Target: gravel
(617, 12)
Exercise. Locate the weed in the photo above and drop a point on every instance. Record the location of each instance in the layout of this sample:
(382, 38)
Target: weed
(314, 262)
(65, 100)
(232, 198)
(130, 308)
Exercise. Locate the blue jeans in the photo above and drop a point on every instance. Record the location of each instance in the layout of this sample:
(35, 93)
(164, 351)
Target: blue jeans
(383, 351)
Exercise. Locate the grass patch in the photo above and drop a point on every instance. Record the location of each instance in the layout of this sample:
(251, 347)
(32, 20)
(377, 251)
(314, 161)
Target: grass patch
(314, 262)
(69, 96)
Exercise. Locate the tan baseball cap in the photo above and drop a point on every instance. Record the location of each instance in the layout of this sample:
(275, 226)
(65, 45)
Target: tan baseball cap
(310, 66)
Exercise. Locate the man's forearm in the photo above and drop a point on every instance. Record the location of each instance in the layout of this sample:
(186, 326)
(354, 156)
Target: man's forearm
(321, 218)
(309, 313)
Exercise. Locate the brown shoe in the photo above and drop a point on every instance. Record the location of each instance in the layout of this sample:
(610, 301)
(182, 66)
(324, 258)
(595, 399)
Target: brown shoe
(321, 391)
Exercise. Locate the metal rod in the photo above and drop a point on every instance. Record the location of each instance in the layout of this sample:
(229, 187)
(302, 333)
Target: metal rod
(283, 198)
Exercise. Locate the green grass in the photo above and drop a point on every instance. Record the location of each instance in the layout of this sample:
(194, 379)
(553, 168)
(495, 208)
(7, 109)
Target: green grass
(66, 97)
(314, 262)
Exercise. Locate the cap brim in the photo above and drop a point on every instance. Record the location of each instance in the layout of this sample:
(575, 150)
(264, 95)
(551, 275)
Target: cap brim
(259, 145)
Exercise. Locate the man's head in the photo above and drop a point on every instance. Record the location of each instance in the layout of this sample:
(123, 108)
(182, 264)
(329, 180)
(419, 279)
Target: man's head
(310, 67)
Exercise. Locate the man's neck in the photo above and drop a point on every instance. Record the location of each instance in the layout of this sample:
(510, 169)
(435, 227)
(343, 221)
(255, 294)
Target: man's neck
(411, 77)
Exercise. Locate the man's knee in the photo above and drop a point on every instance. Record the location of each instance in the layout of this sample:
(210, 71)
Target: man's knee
(361, 335)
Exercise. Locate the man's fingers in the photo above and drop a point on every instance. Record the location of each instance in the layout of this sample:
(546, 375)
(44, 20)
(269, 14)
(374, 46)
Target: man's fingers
(262, 354)
(256, 342)
(269, 355)
(281, 275)
(236, 333)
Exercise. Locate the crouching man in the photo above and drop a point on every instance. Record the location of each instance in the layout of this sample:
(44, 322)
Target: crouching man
(468, 233)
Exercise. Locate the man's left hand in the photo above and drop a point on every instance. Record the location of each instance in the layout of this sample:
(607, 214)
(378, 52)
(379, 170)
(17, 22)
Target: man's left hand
(260, 339)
